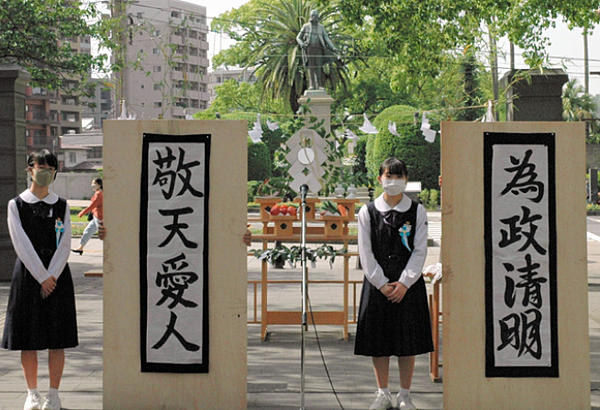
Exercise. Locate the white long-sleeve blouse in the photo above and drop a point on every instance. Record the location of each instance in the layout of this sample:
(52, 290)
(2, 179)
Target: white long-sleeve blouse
(23, 246)
(372, 270)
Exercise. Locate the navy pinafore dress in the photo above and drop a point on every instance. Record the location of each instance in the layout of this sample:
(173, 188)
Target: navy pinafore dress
(34, 323)
(393, 329)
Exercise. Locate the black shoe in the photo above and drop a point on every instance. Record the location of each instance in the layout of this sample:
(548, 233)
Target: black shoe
(80, 252)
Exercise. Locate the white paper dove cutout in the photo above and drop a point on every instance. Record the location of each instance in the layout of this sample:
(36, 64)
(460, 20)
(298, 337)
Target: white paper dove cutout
(350, 135)
(367, 127)
(272, 125)
(428, 133)
(255, 133)
(392, 128)
(489, 114)
(124, 114)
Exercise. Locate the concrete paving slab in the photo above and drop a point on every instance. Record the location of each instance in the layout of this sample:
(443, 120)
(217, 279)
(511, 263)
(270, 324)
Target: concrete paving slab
(273, 366)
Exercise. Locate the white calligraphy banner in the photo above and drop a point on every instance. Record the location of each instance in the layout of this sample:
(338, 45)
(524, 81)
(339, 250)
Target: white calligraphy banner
(174, 253)
(521, 333)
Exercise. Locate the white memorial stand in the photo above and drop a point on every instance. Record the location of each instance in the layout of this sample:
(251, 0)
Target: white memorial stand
(466, 386)
(125, 387)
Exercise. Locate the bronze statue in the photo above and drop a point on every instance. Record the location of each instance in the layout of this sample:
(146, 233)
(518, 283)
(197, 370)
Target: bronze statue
(316, 46)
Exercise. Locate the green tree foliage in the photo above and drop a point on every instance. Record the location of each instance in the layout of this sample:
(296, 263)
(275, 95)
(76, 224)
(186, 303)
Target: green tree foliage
(260, 161)
(421, 157)
(369, 88)
(419, 32)
(266, 32)
(577, 104)
(242, 101)
(581, 106)
(242, 97)
(32, 34)
(472, 93)
(423, 40)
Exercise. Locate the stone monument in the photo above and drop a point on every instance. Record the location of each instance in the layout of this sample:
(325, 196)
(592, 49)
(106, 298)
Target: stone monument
(539, 98)
(13, 153)
(317, 50)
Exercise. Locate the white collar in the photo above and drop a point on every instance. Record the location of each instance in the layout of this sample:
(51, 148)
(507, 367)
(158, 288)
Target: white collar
(402, 206)
(28, 197)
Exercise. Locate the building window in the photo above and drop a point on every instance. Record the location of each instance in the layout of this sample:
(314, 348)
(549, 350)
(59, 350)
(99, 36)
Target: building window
(72, 157)
(155, 51)
(157, 69)
(157, 104)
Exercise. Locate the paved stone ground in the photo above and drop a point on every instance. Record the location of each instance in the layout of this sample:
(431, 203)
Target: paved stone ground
(273, 366)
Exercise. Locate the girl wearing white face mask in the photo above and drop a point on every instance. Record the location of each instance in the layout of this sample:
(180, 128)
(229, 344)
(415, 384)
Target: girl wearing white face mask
(394, 314)
(40, 314)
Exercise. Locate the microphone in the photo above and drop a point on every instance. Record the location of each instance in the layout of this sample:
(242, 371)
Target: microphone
(303, 191)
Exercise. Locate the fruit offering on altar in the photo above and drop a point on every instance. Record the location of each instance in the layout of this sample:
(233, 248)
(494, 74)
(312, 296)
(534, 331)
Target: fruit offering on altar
(283, 210)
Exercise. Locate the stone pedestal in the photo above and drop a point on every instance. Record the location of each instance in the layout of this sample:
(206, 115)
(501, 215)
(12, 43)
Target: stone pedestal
(319, 103)
(536, 99)
(13, 153)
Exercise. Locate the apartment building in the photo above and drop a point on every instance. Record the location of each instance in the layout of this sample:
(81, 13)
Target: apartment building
(220, 75)
(98, 107)
(166, 59)
(51, 114)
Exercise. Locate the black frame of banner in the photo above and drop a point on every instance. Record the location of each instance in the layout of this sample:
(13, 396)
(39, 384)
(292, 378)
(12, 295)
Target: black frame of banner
(154, 367)
(548, 140)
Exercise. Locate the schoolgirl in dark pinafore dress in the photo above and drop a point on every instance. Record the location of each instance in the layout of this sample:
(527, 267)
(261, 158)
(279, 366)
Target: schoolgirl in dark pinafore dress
(384, 328)
(32, 322)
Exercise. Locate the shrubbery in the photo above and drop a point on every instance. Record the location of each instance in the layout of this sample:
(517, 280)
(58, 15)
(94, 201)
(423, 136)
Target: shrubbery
(430, 198)
(421, 157)
(260, 162)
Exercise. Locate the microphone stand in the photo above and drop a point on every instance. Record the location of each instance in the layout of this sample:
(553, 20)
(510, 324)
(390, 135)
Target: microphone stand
(303, 192)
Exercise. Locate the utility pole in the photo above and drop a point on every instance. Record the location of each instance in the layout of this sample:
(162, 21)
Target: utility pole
(512, 56)
(119, 14)
(586, 61)
(494, 65)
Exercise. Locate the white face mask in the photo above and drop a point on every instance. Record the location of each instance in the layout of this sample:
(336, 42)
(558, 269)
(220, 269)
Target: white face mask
(43, 177)
(393, 187)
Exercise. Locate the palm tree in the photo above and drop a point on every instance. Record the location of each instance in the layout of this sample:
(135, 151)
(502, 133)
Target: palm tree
(577, 104)
(267, 41)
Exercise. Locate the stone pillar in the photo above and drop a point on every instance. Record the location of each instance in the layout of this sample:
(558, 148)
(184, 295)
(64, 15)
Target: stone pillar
(538, 98)
(319, 105)
(13, 153)
(593, 185)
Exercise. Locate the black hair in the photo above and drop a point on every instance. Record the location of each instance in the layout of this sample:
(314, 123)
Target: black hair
(42, 157)
(394, 166)
(98, 181)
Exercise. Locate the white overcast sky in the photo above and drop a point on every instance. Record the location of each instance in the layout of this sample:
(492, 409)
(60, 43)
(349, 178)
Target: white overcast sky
(567, 46)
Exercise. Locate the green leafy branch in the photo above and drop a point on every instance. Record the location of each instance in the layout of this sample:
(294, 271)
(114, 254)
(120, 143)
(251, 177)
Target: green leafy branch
(293, 254)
